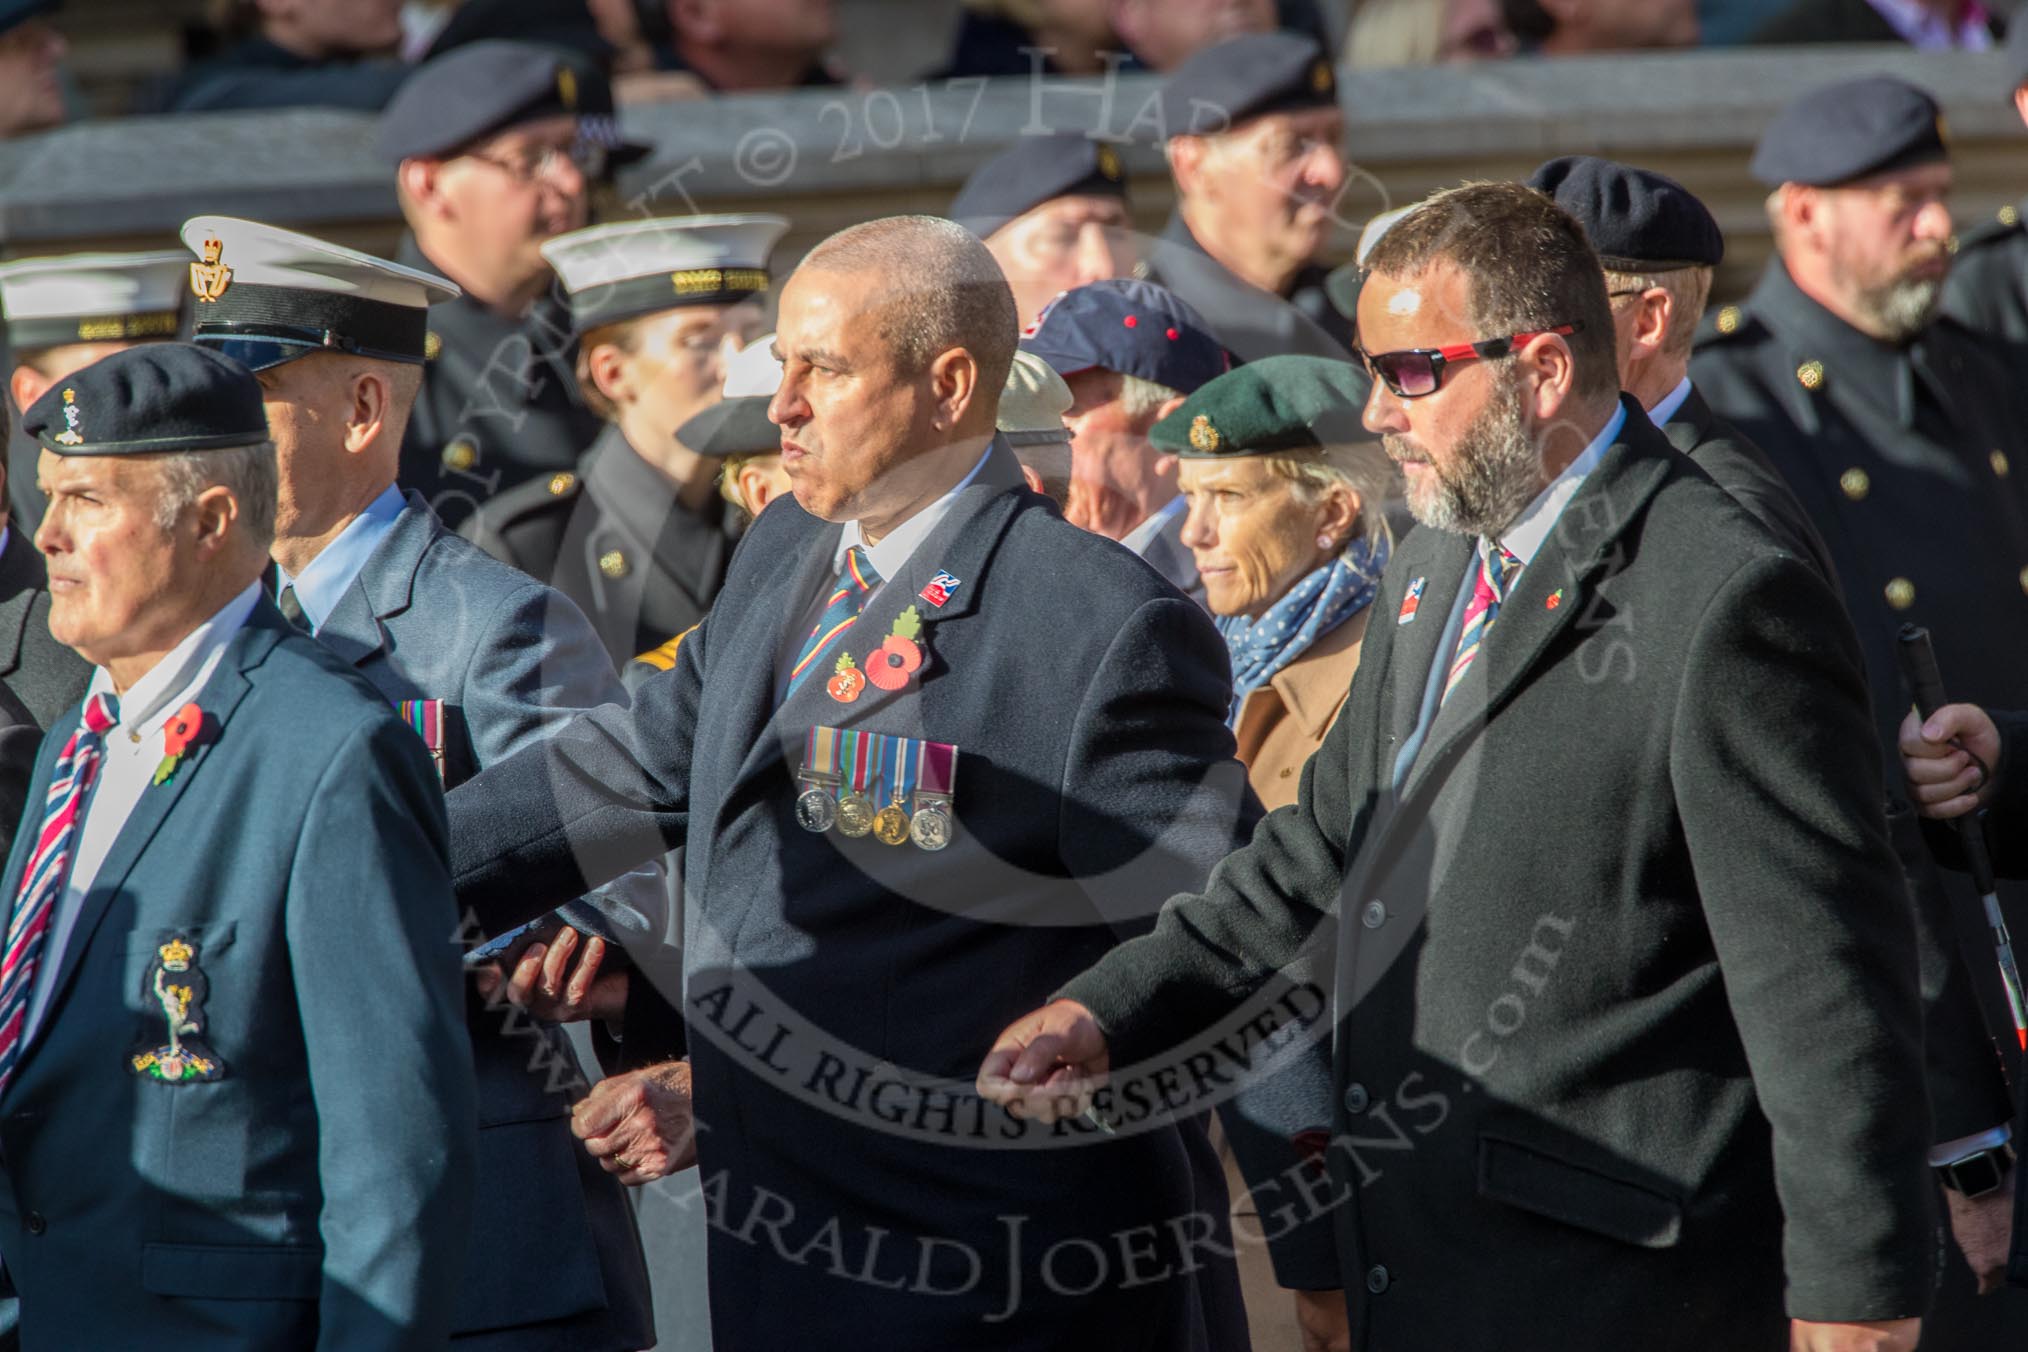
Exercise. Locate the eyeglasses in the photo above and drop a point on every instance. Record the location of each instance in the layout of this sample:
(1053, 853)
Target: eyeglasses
(1414, 372)
(589, 158)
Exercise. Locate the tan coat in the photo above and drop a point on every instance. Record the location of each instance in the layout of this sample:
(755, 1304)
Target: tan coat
(1282, 722)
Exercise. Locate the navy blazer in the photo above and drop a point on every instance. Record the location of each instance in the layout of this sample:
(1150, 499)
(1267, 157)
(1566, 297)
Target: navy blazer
(432, 617)
(869, 1188)
(317, 1193)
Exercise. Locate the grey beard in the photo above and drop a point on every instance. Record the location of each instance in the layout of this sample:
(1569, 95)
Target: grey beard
(1496, 473)
(1902, 309)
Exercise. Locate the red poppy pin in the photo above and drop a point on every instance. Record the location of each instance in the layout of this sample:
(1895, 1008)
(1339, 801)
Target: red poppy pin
(849, 682)
(181, 733)
(899, 656)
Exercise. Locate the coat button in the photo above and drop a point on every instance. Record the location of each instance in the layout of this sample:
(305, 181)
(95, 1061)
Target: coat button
(1377, 1279)
(1728, 319)
(461, 454)
(1374, 916)
(2024, 579)
(1900, 593)
(1810, 375)
(1356, 1098)
(1856, 482)
(36, 1224)
(561, 483)
(613, 564)
(2010, 216)
(1998, 460)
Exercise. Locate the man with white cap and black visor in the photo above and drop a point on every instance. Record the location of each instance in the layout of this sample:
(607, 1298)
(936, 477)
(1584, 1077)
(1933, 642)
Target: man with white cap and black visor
(636, 532)
(480, 660)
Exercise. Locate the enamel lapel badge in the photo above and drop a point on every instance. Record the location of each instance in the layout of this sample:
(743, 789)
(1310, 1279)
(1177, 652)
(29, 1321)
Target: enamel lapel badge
(177, 987)
(1411, 602)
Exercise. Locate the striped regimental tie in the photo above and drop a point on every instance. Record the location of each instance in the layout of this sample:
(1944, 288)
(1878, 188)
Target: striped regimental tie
(856, 581)
(42, 882)
(1496, 575)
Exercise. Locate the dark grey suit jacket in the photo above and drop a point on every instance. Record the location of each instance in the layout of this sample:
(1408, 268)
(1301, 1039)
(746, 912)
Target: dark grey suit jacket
(1625, 971)
(1087, 702)
(43, 674)
(555, 1263)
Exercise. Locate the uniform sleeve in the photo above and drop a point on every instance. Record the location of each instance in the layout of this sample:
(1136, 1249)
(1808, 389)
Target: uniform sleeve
(1777, 781)
(597, 797)
(539, 662)
(371, 935)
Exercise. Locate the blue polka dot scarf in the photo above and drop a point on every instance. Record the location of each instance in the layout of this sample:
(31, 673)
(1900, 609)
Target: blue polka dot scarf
(1322, 600)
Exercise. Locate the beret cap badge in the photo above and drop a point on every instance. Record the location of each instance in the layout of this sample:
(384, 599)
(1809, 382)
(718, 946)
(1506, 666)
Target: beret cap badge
(210, 278)
(1108, 161)
(71, 435)
(566, 86)
(1203, 436)
(1320, 76)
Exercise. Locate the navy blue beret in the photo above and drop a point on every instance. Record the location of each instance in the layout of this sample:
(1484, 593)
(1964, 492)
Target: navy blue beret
(1847, 131)
(1638, 220)
(485, 87)
(150, 400)
(1243, 77)
(1034, 170)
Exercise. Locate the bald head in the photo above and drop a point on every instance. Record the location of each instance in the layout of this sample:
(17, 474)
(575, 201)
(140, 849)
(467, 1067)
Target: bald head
(944, 291)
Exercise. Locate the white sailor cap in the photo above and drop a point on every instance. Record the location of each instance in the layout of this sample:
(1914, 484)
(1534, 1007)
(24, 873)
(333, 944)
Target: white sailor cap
(92, 298)
(1033, 402)
(738, 424)
(634, 268)
(265, 296)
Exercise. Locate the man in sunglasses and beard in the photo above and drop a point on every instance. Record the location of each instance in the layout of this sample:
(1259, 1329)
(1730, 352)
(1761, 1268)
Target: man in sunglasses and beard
(1630, 1039)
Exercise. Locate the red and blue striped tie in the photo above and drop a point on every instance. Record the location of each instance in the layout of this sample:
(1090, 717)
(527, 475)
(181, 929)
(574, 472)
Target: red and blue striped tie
(1496, 575)
(48, 869)
(856, 581)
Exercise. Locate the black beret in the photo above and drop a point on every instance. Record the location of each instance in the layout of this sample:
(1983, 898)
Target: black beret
(1034, 170)
(485, 87)
(1638, 220)
(1846, 131)
(733, 426)
(1244, 77)
(14, 12)
(151, 400)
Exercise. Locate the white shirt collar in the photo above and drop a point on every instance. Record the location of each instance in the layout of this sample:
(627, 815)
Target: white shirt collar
(894, 548)
(169, 684)
(1669, 404)
(327, 578)
(1524, 538)
(1140, 537)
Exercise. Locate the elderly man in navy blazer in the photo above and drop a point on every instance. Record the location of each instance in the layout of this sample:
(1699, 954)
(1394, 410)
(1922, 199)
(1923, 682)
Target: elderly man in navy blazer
(933, 748)
(236, 1107)
(481, 659)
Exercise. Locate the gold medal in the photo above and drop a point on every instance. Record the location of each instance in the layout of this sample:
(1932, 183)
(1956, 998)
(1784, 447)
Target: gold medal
(891, 826)
(930, 828)
(855, 814)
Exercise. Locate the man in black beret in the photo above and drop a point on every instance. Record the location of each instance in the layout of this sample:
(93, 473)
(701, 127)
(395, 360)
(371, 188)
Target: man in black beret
(231, 933)
(1988, 287)
(1254, 138)
(1053, 213)
(1658, 245)
(498, 144)
(1905, 438)
(31, 99)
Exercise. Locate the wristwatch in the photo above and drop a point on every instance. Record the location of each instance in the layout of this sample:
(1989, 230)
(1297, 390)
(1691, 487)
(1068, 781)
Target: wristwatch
(1978, 1173)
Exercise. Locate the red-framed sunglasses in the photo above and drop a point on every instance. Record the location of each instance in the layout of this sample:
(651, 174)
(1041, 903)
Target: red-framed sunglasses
(1414, 372)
